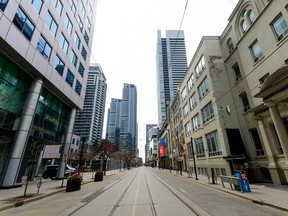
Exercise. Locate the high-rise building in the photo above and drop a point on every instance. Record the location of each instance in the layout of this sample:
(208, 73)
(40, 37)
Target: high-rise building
(147, 146)
(44, 59)
(122, 128)
(89, 121)
(114, 122)
(171, 68)
(129, 127)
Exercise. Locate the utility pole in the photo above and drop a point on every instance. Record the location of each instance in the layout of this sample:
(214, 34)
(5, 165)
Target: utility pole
(194, 162)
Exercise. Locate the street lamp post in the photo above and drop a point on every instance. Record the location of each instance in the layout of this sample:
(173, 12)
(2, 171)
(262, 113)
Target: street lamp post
(194, 162)
(81, 154)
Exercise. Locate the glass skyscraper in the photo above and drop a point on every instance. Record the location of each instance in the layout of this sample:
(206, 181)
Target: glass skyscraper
(171, 67)
(44, 59)
(122, 128)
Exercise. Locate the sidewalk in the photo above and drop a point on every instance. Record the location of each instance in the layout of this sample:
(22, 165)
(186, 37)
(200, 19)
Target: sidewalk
(272, 195)
(13, 197)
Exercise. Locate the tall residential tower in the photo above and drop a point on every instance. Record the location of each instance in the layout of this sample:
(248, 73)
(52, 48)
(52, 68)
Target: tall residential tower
(171, 68)
(89, 121)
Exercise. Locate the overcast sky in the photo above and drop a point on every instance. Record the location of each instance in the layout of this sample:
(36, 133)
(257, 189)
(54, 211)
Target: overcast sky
(125, 40)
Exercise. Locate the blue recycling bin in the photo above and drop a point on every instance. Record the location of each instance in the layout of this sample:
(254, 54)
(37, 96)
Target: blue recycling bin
(243, 181)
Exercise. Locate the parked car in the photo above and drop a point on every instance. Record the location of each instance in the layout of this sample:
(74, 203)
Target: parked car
(51, 171)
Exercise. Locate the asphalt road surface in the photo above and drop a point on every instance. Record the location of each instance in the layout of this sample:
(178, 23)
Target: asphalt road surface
(143, 191)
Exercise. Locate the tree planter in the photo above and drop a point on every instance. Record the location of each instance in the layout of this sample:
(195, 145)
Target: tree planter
(98, 176)
(73, 186)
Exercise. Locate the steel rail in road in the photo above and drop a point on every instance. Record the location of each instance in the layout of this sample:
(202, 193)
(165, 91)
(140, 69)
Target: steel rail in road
(152, 202)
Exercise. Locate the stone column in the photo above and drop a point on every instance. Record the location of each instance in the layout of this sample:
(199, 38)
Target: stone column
(279, 127)
(22, 134)
(270, 151)
(283, 137)
(66, 145)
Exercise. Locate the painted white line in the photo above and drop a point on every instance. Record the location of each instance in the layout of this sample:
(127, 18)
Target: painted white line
(183, 191)
(166, 180)
(86, 195)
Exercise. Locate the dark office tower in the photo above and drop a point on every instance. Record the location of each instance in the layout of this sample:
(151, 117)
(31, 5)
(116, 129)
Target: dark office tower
(114, 122)
(44, 58)
(89, 121)
(128, 132)
(122, 120)
(171, 68)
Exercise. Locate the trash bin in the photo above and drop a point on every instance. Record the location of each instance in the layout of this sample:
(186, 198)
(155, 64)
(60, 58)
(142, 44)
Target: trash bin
(243, 181)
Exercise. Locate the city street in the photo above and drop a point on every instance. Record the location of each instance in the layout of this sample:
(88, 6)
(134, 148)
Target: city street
(143, 191)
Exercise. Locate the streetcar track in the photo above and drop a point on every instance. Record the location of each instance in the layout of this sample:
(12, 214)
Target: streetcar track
(150, 199)
(121, 197)
(91, 196)
(176, 195)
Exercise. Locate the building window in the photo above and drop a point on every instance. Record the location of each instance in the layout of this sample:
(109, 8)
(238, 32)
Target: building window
(193, 101)
(264, 78)
(51, 24)
(203, 88)
(86, 37)
(81, 69)
(250, 16)
(190, 82)
(245, 101)
(257, 143)
(200, 67)
(243, 26)
(237, 72)
(230, 45)
(37, 4)
(207, 112)
(78, 87)
(188, 128)
(63, 43)
(88, 23)
(184, 93)
(69, 78)
(68, 24)
(90, 12)
(84, 53)
(58, 5)
(80, 23)
(77, 40)
(73, 58)
(3, 4)
(59, 65)
(44, 48)
(256, 51)
(213, 144)
(82, 9)
(195, 122)
(199, 146)
(186, 110)
(72, 6)
(279, 27)
(190, 151)
(23, 23)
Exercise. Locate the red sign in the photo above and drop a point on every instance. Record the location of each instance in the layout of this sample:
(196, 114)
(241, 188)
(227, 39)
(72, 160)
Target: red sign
(162, 152)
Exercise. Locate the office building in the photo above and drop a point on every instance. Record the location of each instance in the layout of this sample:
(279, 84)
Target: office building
(171, 63)
(89, 121)
(122, 128)
(44, 59)
(114, 122)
